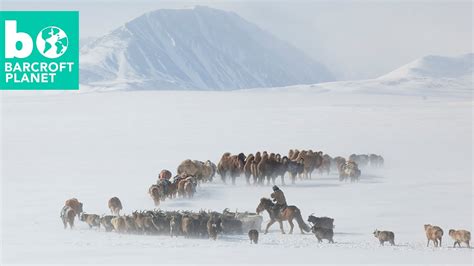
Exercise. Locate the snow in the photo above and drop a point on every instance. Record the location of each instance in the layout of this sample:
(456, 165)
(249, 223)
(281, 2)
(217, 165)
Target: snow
(429, 76)
(200, 49)
(426, 77)
(436, 66)
(97, 145)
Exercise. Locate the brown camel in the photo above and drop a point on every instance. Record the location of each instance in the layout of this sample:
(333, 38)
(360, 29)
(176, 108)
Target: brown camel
(231, 165)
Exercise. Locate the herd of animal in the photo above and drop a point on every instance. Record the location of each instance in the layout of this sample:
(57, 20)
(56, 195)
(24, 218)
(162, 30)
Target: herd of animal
(256, 169)
(209, 224)
(271, 166)
(203, 224)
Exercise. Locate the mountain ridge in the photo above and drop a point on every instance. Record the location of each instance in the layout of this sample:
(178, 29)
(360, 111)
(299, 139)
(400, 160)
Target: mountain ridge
(200, 48)
(428, 76)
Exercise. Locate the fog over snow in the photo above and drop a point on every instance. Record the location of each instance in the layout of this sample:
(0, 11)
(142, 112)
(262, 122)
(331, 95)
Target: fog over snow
(412, 105)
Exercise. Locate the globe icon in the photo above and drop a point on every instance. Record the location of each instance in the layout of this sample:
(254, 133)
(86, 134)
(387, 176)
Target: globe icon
(52, 42)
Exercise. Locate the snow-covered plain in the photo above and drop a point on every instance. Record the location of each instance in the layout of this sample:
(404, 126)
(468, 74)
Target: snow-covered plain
(97, 145)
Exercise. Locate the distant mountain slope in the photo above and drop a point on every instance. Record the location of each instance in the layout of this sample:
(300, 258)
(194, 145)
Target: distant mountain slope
(428, 76)
(433, 66)
(199, 48)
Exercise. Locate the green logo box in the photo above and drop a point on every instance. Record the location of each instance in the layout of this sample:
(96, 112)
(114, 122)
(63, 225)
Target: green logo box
(39, 50)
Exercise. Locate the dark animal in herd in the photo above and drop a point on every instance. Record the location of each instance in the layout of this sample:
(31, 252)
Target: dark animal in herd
(214, 226)
(385, 236)
(253, 236)
(322, 227)
(106, 222)
(289, 213)
(323, 222)
(295, 168)
(249, 220)
(323, 233)
(187, 224)
(231, 225)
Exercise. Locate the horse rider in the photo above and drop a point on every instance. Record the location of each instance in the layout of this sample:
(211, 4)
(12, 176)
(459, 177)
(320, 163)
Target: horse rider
(279, 198)
(164, 182)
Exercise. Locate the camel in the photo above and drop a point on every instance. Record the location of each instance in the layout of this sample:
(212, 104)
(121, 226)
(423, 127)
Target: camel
(248, 168)
(203, 171)
(312, 160)
(231, 165)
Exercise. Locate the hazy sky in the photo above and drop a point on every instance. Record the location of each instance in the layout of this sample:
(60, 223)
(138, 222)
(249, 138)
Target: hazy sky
(354, 39)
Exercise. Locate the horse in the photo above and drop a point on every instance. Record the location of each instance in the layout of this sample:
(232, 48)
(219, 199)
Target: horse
(287, 214)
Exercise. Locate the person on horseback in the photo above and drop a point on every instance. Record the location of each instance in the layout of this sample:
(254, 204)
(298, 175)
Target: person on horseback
(164, 182)
(279, 198)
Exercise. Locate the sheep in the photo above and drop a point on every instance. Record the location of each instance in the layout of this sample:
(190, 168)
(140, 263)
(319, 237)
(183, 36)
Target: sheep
(324, 222)
(187, 226)
(91, 219)
(384, 236)
(130, 223)
(433, 233)
(253, 236)
(106, 222)
(119, 224)
(174, 226)
(460, 236)
(323, 233)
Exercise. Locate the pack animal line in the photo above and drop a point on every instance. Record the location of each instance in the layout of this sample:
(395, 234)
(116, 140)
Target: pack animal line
(259, 167)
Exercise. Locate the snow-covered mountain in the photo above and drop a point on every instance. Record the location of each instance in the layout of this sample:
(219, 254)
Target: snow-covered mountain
(200, 48)
(433, 66)
(427, 76)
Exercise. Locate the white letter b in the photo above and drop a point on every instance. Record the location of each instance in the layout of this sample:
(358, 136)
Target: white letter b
(11, 39)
